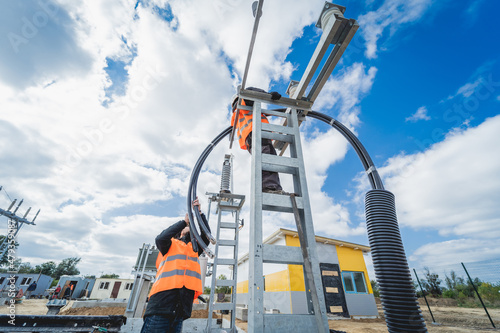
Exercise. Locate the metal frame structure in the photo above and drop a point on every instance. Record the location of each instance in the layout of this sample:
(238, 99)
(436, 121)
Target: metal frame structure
(14, 219)
(259, 253)
(226, 203)
(143, 279)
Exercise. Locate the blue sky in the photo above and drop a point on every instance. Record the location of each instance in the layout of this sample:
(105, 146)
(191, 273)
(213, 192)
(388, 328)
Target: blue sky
(106, 106)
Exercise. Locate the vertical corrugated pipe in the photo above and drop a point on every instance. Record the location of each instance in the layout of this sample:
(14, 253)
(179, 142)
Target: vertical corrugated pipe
(401, 310)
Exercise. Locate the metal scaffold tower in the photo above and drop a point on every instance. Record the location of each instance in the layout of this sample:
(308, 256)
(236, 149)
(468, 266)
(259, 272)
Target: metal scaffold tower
(228, 226)
(258, 320)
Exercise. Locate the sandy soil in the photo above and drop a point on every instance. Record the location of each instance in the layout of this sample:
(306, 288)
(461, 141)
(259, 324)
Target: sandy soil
(451, 319)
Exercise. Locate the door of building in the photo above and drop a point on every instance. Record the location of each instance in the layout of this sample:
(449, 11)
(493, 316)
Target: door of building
(334, 292)
(116, 289)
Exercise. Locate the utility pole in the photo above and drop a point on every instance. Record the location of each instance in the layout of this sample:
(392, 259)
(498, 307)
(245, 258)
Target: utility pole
(15, 223)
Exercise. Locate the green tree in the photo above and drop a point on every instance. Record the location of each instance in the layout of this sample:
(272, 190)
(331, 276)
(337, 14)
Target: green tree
(207, 290)
(431, 283)
(110, 276)
(67, 267)
(375, 288)
(47, 268)
(225, 289)
(25, 268)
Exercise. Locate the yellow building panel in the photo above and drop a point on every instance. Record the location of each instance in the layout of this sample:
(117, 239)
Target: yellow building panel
(277, 281)
(352, 260)
(296, 271)
(242, 287)
(296, 278)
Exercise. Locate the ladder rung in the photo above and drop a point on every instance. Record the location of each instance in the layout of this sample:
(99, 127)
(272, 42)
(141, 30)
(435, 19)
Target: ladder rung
(229, 208)
(227, 242)
(225, 283)
(274, 113)
(277, 128)
(279, 254)
(291, 322)
(279, 202)
(280, 169)
(224, 306)
(228, 225)
(280, 160)
(225, 262)
(278, 137)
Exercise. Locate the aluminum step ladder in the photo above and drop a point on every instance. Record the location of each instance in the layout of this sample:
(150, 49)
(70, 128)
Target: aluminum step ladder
(228, 222)
(298, 204)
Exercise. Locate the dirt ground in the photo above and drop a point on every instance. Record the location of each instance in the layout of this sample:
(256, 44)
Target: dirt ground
(450, 318)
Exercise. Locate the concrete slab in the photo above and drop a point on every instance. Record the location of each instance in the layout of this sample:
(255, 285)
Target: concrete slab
(134, 325)
(99, 303)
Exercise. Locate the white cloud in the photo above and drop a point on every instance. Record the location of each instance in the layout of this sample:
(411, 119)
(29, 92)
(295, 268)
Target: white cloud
(391, 14)
(344, 92)
(452, 188)
(421, 114)
(452, 252)
(40, 45)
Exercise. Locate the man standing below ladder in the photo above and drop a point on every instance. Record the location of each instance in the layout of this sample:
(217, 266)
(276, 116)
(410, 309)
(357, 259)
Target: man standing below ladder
(178, 279)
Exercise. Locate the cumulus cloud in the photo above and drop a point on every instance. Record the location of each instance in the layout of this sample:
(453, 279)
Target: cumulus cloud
(392, 15)
(421, 114)
(451, 188)
(344, 92)
(40, 46)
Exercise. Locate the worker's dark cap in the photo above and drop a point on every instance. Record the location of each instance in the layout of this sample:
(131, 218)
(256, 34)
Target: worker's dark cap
(247, 102)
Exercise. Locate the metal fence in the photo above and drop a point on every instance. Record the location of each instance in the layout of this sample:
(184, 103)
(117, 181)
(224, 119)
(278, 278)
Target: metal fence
(472, 286)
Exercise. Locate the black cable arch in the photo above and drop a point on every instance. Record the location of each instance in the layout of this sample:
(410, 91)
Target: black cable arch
(193, 183)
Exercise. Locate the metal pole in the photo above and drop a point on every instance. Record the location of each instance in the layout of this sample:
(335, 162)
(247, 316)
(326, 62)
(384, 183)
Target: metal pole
(423, 293)
(479, 296)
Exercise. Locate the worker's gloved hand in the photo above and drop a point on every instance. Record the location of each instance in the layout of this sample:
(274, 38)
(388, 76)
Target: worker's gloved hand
(275, 95)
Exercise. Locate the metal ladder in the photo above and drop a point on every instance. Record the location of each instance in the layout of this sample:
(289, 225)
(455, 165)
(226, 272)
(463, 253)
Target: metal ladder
(259, 321)
(228, 205)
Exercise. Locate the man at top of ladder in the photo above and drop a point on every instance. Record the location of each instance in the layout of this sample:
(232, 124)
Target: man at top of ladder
(270, 180)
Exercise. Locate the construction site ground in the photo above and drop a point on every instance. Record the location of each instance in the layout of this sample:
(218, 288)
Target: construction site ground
(450, 317)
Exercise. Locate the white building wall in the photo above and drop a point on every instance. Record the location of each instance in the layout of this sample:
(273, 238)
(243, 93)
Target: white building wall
(98, 293)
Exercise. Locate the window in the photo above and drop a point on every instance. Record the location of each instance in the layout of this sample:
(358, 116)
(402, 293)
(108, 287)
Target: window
(104, 285)
(354, 282)
(26, 281)
(128, 286)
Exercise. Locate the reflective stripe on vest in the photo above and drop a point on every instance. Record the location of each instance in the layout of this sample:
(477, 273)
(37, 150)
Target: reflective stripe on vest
(178, 268)
(244, 124)
(178, 257)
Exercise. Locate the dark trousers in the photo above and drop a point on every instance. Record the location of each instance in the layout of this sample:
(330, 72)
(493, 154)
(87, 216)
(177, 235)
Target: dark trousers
(270, 180)
(161, 324)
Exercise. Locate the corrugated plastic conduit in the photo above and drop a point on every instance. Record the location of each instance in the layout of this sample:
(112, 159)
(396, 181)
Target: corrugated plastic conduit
(397, 293)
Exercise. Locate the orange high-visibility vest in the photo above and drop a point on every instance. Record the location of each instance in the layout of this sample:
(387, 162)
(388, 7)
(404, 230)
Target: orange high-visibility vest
(244, 125)
(178, 268)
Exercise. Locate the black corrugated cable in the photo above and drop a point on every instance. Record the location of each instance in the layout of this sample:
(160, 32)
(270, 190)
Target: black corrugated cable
(192, 196)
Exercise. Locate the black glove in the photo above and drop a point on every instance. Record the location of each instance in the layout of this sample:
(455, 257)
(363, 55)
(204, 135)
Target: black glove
(275, 95)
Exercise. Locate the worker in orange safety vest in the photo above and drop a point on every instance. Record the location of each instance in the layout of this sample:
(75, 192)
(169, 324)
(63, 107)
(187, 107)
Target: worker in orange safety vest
(178, 278)
(270, 180)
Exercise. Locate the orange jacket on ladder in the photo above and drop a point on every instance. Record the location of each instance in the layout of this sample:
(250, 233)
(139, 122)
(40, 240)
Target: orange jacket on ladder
(178, 268)
(244, 125)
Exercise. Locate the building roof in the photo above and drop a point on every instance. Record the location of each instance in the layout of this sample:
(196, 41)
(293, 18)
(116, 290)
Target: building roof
(319, 239)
